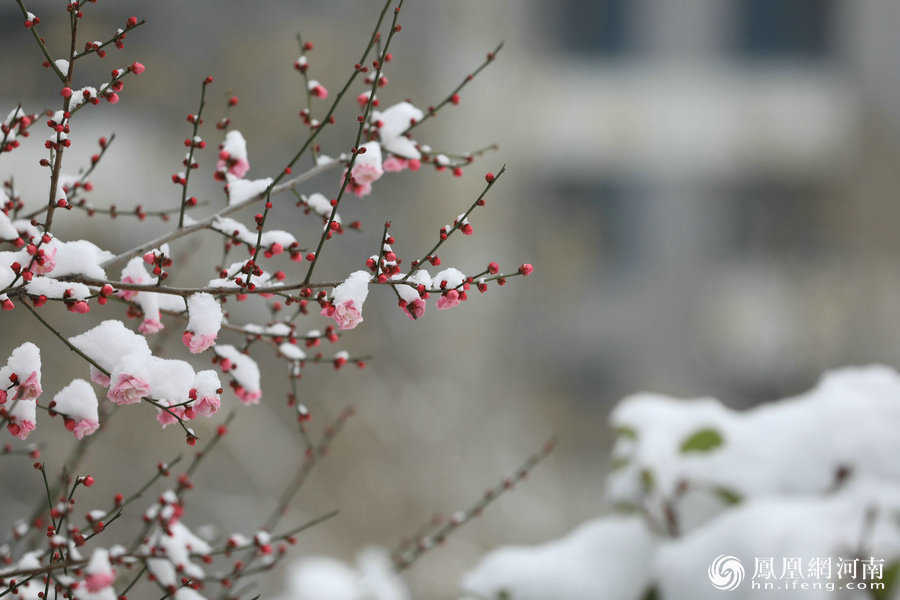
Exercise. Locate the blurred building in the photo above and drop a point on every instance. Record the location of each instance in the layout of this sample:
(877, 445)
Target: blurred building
(721, 171)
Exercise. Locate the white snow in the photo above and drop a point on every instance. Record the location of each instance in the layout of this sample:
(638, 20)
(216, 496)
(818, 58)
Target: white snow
(810, 477)
(324, 578)
(7, 231)
(244, 369)
(603, 558)
(409, 293)
(453, 278)
(395, 120)
(77, 400)
(53, 288)
(320, 205)
(355, 287)
(240, 190)
(291, 351)
(235, 145)
(109, 342)
(79, 257)
(176, 546)
(205, 314)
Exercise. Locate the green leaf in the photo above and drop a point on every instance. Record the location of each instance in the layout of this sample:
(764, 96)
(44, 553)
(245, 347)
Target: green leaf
(702, 441)
(728, 496)
(618, 464)
(626, 432)
(647, 480)
(651, 594)
(627, 508)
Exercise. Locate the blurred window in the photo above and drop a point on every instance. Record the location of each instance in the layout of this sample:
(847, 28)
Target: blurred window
(595, 27)
(785, 29)
(611, 213)
(773, 219)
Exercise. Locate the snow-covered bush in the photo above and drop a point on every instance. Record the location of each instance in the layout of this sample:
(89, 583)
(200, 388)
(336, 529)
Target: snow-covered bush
(58, 285)
(795, 499)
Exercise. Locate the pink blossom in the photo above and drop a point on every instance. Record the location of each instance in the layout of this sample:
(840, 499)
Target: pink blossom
(207, 406)
(248, 397)
(150, 325)
(84, 427)
(319, 91)
(197, 343)
(236, 166)
(360, 190)
(169, 417)
(128, 294)
(47, 264)
(81, 307)
(98, 581)
(526, 269)
(128, 389)
(448, 300)
(366, 172)
(415, 309)
(20, 428)
(99, 377)
(395, 164)
(137, 68)
(2, 396)
(30, 389)
(345, 314)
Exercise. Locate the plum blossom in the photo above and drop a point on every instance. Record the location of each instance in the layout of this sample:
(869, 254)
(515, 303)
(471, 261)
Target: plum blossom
(205, 319)
(416, 308)
(20, 429)
(77, 402)
(46, 262)
(128, 294)
(23, 368)
(197, 343)
(150, 325)
(242, 368)
(317, 89)
(366, 169)
(83, 427)
(395, 164)
(348, 299)
(415, 304)
(233, 155)
(99, 377)
(448, 300)
(128, 389)
(207, 406)
(346, 314)
(206, 393)
(30, 389)
(170, 416)
(98, 572)
(22, 418)
(248, 396)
